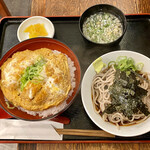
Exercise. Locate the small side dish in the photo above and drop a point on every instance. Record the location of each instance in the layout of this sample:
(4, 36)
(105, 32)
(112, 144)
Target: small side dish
(35, 26)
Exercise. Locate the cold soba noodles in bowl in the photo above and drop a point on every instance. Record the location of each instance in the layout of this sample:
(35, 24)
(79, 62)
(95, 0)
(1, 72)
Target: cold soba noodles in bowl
(120, 93)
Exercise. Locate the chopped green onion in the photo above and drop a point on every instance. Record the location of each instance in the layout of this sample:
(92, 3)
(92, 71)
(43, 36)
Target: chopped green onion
(32, 73)
(126, 64)
(111, 63)
(8, 105)
(121, 58)
(139, 66)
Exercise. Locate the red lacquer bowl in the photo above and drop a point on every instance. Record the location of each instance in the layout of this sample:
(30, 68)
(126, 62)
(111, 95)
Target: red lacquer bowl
(4, 114)
(33, 44)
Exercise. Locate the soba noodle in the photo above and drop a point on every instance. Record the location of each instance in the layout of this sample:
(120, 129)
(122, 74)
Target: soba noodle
(101, 98)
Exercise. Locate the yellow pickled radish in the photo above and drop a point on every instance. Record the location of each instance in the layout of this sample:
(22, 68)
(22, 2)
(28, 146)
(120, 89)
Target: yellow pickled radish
(36, 30)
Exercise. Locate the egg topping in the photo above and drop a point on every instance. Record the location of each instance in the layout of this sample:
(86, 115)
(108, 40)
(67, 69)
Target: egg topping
(36, 80)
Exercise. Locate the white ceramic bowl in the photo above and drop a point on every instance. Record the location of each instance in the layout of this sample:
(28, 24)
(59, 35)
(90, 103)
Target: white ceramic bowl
(126, 131)
(34, 20)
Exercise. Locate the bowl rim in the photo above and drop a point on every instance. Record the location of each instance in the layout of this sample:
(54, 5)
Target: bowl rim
(35, 17)
(107, 5)
(9, 54)
(93, 112)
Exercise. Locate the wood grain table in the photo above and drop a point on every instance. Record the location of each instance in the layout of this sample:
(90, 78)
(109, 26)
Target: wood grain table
(76, 7)
(3, 9)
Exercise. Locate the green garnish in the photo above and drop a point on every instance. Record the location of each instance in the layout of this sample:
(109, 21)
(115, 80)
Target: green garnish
(139, 66)
(111, 63)
(98, 64)
(8, 105)
(32, 73)
(126, 64)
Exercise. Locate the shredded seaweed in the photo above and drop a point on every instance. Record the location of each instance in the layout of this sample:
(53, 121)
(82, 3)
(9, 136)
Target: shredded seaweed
(125, 92)
(126, 95)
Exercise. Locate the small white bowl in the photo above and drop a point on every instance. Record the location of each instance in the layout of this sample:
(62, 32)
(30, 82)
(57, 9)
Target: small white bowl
(34, 20)
(125, 131)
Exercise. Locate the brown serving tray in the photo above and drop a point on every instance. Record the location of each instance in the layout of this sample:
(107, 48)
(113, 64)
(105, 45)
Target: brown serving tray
(136, 39)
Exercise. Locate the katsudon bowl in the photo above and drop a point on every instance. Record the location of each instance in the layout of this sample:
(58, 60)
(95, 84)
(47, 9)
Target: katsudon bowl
(32, 46)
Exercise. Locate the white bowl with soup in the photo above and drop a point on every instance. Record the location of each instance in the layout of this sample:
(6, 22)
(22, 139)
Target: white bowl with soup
(119, 119)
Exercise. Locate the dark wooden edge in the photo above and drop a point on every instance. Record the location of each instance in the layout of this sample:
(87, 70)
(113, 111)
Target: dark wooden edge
(4, 9)
(7, 17)
(21, 17)
(75, 141)
(137, 14)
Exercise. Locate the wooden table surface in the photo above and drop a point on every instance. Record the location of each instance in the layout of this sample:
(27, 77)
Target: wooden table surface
(76, 7)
